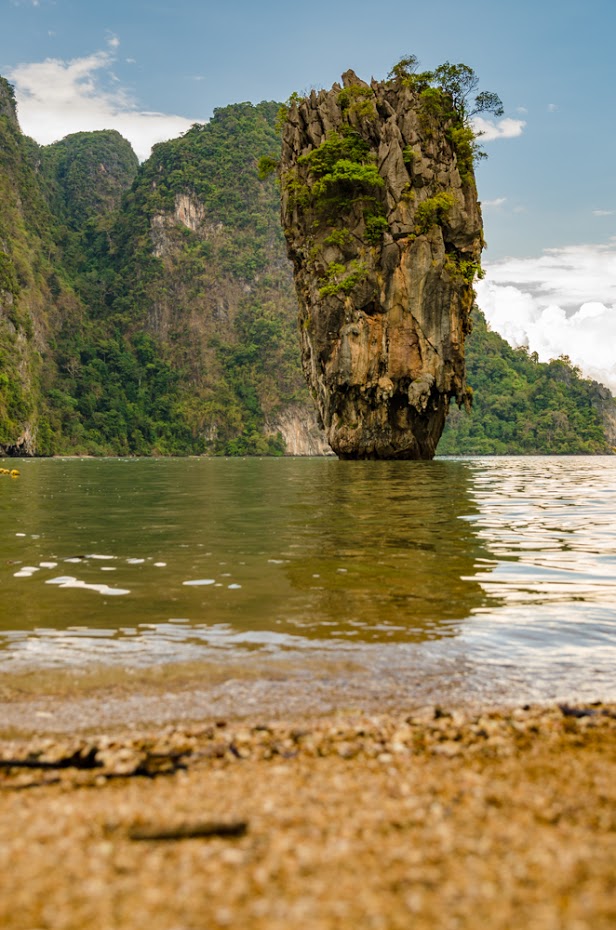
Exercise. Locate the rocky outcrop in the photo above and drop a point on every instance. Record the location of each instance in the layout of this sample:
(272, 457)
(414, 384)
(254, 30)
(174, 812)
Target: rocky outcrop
(380, 213)
(31, 294)
(605, 404)
(8, 108)
(300, 431)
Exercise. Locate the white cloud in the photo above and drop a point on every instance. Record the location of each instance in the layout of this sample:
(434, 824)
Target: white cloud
(552, 107)
(497, 202)
(57, 97)
(562, 303)
(603, 212)
(506, 128)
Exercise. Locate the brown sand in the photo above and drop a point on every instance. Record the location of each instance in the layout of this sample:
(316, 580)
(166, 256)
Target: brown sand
(504, 819)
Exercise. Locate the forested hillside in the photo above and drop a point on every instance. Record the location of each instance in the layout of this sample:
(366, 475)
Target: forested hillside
(150, 310)
(523, 406)
(36, 295)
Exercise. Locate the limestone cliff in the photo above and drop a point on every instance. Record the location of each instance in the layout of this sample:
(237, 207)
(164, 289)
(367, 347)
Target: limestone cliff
(297, 424)
(32, 296)
(380, 213)
(43, 192)
(168, 324)
(202, 259)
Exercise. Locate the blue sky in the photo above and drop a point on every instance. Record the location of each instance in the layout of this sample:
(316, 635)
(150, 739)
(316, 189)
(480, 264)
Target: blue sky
(152, 67)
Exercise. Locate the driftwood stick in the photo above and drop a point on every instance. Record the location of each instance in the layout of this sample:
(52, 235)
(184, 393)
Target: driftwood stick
(230, 829)
(75, 761)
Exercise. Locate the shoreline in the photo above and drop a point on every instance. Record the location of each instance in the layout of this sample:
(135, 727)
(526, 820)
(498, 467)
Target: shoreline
(60, 702)
(424, 817)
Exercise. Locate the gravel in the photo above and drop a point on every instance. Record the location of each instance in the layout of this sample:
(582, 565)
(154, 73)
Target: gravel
(422, 818)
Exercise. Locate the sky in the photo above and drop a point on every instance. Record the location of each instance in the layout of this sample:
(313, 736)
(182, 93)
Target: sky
(151, 68)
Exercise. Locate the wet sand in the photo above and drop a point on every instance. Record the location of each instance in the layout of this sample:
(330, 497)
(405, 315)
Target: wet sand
(420, 817)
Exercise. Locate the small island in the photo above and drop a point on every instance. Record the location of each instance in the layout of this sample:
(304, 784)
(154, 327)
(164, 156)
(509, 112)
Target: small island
(384, 229)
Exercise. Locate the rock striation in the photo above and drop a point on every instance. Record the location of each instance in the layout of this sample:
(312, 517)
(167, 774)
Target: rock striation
(383, 226)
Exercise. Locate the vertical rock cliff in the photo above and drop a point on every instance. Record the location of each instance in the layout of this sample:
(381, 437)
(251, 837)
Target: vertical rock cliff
(380, 213)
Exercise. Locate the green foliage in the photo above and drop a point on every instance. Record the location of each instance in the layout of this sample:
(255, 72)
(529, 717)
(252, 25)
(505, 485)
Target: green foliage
(437, 105)
(376, 227)
(339, 237)
(521, 406)
(349, 147)
(33, 285)
(251, 382)
(7, 99)
(409, 155)
(488, 102)
(468, 151)
(343, 170)
(357, 99)
(404, 69)
(236, 357)
(464, 268)
(299, 193)
(115, 396)
(346, 177)
(432, 212)
(340, 279)
(447, 94)
(267, 164)
(284, 109)
(167, 358)
(460, 82)
(8, 277)
(87, 173)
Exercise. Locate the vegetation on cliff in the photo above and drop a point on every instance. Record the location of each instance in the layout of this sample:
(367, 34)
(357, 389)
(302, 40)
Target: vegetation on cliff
(152, 310)
(35, 291)
(383, 227)
(523, 406)
(87, 174)
(198, 258)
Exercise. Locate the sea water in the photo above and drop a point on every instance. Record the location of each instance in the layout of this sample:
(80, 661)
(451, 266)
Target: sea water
(492, 576)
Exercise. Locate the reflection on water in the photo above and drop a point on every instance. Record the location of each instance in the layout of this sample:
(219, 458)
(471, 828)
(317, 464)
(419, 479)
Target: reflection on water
(507, 563)
(550, 524)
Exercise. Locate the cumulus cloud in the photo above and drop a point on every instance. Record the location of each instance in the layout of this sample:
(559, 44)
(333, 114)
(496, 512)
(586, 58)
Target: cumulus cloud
(490, 129)
(57, 97)
(562, 303)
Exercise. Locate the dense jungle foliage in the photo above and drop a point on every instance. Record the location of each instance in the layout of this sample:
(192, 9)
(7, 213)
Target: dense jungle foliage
(522, 406)
(150, 310)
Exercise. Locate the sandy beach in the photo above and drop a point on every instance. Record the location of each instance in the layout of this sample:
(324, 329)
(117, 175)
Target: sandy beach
(419, 817)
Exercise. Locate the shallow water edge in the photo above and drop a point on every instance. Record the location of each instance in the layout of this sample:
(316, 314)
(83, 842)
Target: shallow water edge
(201, 587)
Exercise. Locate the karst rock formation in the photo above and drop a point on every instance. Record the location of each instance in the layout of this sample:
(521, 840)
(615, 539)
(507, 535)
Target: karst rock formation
(383, 226)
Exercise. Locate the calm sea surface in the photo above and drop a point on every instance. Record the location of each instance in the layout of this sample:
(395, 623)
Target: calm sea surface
(498, 574)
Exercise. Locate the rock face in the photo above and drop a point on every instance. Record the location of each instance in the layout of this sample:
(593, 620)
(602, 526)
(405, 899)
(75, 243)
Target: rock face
(380, 213)
(297, 424)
